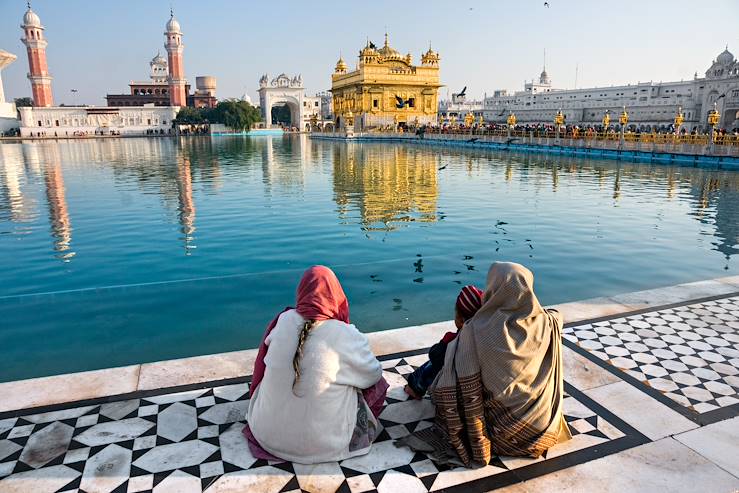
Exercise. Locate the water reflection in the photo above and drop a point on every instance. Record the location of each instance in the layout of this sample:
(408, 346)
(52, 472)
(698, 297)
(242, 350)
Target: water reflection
(15, 206)
(186, 207)
(377, 188)
(389, 186)
(56, 198)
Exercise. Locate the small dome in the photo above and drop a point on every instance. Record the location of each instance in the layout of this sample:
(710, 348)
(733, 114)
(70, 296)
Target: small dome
(158, 60)
(368, 51)
(544, 77)
(30, 19)
(389, 52)
(341, 65)
(725, 57)
(173, 25)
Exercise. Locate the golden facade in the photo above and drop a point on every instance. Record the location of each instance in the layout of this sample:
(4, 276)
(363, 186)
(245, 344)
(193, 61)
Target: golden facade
(386, 89)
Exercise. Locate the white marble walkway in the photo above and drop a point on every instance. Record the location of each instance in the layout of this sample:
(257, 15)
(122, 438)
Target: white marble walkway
(652, 399)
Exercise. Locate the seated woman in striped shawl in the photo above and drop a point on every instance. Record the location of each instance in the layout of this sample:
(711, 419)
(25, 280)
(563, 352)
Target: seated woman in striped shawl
(500, 390)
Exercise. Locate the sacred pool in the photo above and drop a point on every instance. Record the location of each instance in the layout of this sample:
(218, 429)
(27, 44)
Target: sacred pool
(132, 250)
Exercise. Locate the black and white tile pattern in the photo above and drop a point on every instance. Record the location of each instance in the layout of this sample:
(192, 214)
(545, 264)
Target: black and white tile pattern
(688, 354)
(192, 441)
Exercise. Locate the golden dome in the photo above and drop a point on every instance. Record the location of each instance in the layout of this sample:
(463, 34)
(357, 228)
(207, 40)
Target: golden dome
(341, 65)
(389, 52)
(430, 57)
(368, 51)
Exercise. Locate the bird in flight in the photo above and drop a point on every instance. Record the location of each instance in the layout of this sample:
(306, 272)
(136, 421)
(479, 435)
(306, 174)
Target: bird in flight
(546, 4)
(401, 102)
(463, 91)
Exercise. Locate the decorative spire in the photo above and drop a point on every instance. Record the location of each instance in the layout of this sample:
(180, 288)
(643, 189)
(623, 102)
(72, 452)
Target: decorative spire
(386, 40)
(544, 67)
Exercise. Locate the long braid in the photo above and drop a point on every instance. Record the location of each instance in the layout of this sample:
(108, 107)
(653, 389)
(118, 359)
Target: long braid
(307, 327)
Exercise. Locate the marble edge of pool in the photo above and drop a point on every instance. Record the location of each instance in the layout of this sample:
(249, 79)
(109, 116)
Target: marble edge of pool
(72, 387)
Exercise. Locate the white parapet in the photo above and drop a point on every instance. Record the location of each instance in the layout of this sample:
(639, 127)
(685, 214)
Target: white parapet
(74, 121)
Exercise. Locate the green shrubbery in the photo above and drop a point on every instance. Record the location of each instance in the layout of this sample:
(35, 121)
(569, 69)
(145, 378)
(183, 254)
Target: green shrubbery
(235, 114)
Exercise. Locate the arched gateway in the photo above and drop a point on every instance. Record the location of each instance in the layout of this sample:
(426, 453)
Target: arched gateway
(282, 90)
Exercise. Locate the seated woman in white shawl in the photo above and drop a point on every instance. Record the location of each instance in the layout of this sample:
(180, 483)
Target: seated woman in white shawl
(317, 388)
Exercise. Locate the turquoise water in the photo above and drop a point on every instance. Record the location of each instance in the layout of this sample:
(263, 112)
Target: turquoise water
(123, 251)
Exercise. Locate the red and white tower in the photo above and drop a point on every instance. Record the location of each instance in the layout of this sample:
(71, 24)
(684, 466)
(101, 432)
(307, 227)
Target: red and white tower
(174, 46)
(33, 38)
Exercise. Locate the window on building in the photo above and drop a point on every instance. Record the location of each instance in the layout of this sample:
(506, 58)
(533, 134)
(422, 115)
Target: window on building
(411, 102)
(57, 123)
(375, 103)
(315, 103)
(39, 123)
(148, 121)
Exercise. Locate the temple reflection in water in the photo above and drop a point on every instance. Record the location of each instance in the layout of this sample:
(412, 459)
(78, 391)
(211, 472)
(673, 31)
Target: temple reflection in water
(375, 188)
(388, 186)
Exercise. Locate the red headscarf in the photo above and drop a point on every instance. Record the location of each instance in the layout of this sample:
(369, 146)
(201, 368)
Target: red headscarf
(319, 297)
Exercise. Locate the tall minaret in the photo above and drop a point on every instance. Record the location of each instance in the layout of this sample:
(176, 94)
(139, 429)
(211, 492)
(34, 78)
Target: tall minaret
(33, 38)
(174, 46)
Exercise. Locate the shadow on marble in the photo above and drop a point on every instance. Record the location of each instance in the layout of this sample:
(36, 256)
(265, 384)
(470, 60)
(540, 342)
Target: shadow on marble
(718, 442)
(582, 373)
(647, 415)
(664, 465)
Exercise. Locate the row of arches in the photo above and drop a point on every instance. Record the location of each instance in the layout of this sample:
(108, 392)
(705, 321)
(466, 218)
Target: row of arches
(142, 92)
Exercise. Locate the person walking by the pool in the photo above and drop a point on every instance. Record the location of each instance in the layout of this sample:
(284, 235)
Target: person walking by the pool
(468, 302)
(501, 389)
(316, 388)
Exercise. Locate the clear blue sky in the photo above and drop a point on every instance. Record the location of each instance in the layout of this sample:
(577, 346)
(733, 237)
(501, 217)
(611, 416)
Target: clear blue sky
(97, 47)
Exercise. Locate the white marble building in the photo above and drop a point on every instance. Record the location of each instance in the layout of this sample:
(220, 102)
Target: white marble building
(283, 90)
(70, 121)
(648, 103)
(8, 115)
(458, 106)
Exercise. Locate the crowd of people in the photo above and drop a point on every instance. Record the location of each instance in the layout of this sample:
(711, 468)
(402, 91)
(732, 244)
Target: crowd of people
(581, 131)
(496, 383)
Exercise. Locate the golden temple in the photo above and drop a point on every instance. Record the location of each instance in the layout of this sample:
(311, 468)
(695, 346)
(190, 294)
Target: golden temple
(386, 89)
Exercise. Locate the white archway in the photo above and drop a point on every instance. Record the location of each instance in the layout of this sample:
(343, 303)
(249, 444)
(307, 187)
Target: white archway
(282, 90)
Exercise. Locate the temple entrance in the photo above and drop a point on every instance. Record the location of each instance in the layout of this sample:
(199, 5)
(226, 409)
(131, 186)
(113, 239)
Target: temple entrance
(282, 116)
(281, 101)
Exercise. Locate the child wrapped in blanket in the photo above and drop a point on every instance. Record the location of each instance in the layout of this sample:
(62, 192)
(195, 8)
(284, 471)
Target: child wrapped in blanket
(468, 302)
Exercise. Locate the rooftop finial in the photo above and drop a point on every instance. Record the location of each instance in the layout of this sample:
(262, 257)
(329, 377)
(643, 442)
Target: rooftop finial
(171, 11)
(28, 4)
(545, 59)
(386, 41)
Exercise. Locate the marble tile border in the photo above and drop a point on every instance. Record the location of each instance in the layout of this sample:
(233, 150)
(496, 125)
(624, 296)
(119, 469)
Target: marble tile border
(699, 418)
(630, 438)
(38, 393)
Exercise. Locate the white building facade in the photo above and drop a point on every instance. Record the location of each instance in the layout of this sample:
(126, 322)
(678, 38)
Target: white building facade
(8, 115)
(458, 106)
(75, 121)
(649, 104)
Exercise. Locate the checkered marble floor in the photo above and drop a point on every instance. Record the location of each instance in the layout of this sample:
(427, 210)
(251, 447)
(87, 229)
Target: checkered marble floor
(686, 355)
(191, 441)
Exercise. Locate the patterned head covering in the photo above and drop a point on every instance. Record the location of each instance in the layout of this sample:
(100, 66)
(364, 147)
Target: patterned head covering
(469, 301)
